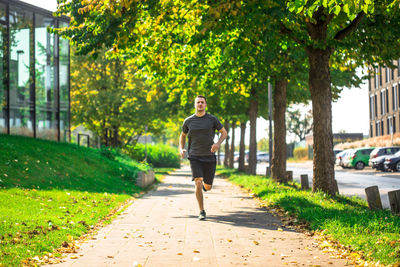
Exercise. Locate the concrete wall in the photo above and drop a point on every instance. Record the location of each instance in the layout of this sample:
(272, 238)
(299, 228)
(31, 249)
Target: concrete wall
(145, 179)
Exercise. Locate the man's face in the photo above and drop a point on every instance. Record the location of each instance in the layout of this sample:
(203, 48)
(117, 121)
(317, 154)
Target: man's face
(200, 104)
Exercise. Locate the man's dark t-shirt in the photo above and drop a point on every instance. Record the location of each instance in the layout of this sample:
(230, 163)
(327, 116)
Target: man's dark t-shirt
(201, 131)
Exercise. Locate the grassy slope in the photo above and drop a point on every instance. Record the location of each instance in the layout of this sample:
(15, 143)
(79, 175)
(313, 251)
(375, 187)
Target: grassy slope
(374, 234)
(52, 192)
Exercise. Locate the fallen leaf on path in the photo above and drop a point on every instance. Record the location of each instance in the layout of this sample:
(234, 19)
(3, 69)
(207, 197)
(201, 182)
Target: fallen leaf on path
(73, 257)
(229, 240)
(256, 242)
(179, 253)
(196, 251)
(111, 257)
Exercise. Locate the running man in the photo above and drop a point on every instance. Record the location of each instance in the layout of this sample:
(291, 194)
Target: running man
(200, 129)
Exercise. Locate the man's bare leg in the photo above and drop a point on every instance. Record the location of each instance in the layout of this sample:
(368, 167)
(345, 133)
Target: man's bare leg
(199, 193)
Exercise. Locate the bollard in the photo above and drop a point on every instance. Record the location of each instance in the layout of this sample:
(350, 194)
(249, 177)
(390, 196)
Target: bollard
(289, 176)
(373, 197)
(268, 173)
(394, 201)
(304, 182)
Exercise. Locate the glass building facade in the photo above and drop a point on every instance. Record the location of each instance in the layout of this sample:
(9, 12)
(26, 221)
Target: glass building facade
(34, 73)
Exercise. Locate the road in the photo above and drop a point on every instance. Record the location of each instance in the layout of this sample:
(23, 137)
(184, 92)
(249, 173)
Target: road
(350, 182)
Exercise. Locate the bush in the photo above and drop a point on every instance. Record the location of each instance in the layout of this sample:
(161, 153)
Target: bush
(157, 155)
(107, 152)
(300, 153)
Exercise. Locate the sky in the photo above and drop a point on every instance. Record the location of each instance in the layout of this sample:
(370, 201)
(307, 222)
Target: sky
(349, 113)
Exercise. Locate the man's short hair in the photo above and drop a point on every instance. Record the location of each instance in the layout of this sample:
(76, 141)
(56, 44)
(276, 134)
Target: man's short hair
(201, 96)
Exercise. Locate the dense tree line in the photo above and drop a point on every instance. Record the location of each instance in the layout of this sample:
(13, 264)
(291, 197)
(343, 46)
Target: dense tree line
(231, 50)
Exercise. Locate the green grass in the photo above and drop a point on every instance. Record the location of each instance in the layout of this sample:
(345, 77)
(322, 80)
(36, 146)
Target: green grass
(52, 192)
(374, 234)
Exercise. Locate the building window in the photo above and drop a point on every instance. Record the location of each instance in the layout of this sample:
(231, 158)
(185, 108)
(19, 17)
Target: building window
(64, 87)
(371, 131)
(394, 97)
(45, 79)
(394, 124)
(376, 105)
(3, 71)
(398, 67)
(377, 128)
(387, 100)
(388, 125)
(383, 127)
(29, 72)
(369, 84)
(387, 74)
(383, 102)
(398, 95)
(380, 76)
(371, 107)
(21, 106)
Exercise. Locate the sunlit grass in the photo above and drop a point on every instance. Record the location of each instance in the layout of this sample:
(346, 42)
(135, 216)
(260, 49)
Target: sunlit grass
(375, 234)
(51, 193)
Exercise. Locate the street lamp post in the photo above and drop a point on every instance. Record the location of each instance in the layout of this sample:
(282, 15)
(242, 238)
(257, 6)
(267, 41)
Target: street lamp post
(145, 143)
(270, 124)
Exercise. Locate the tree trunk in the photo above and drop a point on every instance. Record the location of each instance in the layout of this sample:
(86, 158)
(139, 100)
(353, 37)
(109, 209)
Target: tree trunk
(232, 149)
(226, 155)
(321, 96)
(242, 146)
(115, 137)
(253, 128)
(278, 167)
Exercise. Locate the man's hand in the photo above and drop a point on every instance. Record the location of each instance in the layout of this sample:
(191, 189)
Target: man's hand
(214, 148)
(182, 152)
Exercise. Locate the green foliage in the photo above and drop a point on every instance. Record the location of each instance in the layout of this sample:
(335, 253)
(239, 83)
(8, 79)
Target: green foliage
(107, 152)
(348, 220)
(263, 144)
(157, 155)
(110, 99)
(300, 152)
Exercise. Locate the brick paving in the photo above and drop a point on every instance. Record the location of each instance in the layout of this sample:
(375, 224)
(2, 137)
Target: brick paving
(161, 229)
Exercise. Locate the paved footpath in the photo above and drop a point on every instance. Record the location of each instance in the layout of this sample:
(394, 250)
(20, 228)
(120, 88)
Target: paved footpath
(162, 229)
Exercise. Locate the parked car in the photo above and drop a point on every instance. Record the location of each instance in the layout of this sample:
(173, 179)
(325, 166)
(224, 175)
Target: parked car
(336, 151)
(392, 162)
(341, 156)
(378, 155)
(359, 158)
(236, 157)
(262, 157)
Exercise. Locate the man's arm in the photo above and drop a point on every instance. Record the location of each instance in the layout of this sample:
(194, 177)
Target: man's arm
(182, 141)
(221, 139)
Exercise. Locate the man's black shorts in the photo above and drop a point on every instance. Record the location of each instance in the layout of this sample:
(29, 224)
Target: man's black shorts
(203, 168)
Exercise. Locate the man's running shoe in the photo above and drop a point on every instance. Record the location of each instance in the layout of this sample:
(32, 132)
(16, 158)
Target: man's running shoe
(202, 215)
(204, 189)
